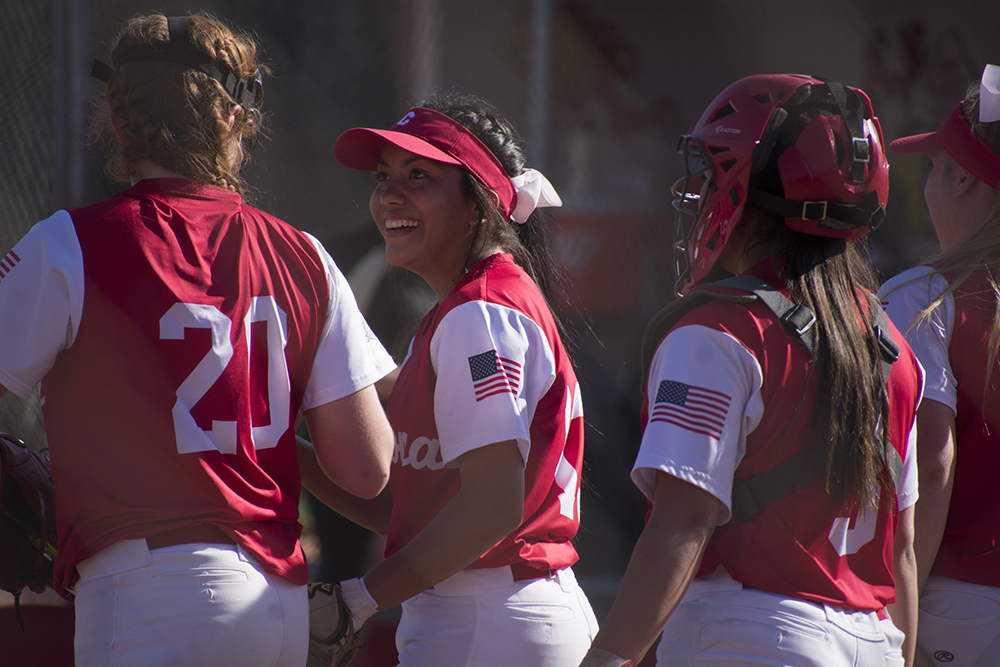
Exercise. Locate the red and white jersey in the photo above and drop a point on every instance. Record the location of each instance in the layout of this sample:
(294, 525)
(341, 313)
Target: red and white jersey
(486, 366)
(722, 404)
(953, 347)
(177, 333)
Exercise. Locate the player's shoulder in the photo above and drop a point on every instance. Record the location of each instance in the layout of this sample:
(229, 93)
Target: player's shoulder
(921, 279)
(285, 237)
(52, 237)
(464, 318)
(104, 213)
(726, 309)
(498, 282)
(54, 224)
(475, 314)
(703, 310)
(710, 305)
(273, 223)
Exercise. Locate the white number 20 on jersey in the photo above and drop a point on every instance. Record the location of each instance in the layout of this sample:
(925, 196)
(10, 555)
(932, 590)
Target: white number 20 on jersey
(222, 436)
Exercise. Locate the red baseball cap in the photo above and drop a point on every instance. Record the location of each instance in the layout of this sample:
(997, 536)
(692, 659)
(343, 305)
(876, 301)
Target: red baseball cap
(957, 139)
(432, 135)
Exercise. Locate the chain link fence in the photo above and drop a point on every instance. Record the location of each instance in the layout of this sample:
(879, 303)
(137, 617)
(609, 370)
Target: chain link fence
(26, 111)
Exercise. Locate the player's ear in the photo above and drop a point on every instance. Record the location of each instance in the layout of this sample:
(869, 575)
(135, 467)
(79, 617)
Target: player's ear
(964, 181)
(494, 204)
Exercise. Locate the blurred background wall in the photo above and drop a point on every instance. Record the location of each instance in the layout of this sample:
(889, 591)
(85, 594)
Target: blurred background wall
(600, 91)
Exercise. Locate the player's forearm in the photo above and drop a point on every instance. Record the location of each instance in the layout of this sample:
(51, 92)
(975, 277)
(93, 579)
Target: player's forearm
(931, 517)
(936, 463)
(456, 537)
(904, 610)
(652, 588)
(487, 507)
(353, 442)
(663, 563)
(372, 514)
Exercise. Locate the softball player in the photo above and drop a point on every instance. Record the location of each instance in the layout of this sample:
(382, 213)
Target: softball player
(950, 313)
(783, 174)
(178, 334)
(486, 410)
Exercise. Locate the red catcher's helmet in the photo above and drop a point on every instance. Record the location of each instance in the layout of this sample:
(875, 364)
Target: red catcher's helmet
(824, 171)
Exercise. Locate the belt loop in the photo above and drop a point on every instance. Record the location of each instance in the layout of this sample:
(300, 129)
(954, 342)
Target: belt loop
(523, 571)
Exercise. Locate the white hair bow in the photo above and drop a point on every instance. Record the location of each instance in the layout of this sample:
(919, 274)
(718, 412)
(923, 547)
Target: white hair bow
(989, 95)
(533, 191)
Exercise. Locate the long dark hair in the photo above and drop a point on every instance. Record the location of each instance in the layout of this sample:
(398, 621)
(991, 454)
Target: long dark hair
(528, 243)
(835, 280)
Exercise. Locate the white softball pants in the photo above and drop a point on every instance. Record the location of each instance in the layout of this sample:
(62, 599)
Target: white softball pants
(959, 623)
(483, 618)
(196, 605)
(732, 625)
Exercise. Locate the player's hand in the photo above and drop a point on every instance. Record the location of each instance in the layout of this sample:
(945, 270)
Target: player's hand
(334, 633)
(597, 658)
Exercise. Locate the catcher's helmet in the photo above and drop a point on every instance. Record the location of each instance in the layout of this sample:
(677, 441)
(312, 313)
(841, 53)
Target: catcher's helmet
(807, 150)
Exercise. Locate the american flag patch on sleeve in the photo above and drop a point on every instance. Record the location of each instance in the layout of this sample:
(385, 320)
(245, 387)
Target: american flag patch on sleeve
(7, 264)
(692, 408)
(492, 374)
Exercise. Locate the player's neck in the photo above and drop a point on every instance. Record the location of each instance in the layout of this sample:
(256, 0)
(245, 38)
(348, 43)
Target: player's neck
(147, 169)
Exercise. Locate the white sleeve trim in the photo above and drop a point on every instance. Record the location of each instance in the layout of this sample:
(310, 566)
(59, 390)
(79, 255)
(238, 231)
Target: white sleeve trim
(904, 297)
(700, 446)
(493, 365)
(349, 357)
(43, 292)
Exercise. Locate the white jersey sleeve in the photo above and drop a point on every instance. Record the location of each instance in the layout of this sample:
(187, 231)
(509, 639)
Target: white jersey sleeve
(41, 296)
(904, 297)
(703, 398)
(493, 366)
(350, 356)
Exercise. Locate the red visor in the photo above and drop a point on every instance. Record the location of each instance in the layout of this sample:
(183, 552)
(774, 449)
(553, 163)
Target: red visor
(957, 139)
(431, 135)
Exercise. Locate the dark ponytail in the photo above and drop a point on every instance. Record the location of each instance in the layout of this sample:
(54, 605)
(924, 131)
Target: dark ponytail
(834, 279)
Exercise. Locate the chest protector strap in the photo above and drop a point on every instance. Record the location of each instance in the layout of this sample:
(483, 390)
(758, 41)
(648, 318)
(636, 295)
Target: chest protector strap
(751, 496)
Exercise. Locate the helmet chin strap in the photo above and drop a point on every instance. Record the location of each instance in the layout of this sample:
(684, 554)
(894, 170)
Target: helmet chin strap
(838, 214)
